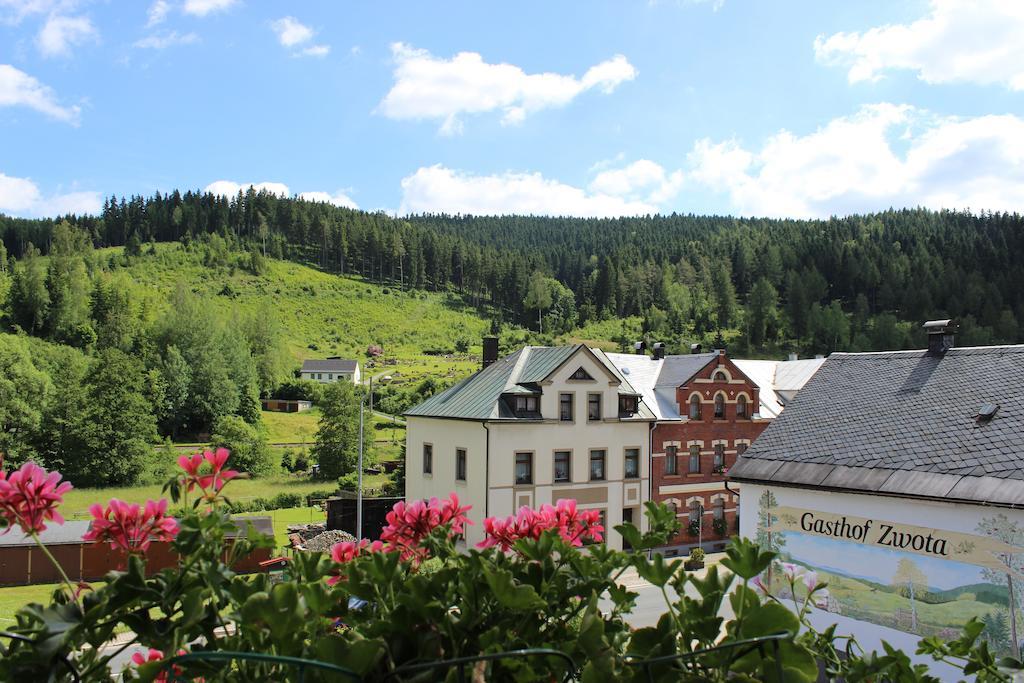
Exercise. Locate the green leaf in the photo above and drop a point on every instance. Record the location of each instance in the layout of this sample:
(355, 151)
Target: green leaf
(509, 594)
(655, 569)
(745, 559)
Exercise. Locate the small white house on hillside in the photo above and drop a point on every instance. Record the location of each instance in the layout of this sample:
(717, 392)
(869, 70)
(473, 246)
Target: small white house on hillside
(331, 370)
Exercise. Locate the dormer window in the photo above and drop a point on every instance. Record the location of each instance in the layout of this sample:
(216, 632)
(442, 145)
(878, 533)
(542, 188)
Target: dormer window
(695, 407)
(526, 404)
(581, 374)
(719, 406)
(628, 404)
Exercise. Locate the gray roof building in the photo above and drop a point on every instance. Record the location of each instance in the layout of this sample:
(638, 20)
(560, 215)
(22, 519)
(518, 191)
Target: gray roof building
(485, 395)
(943, 423)
(329, 365)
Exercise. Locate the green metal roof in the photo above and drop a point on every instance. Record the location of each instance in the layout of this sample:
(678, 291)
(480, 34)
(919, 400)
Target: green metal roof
(541, 361)
(478, 397)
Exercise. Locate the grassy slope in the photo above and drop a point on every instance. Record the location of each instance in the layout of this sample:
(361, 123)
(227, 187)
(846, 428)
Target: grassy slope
(322, 314)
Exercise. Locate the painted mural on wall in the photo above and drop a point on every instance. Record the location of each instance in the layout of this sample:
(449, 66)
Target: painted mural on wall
(918, 580)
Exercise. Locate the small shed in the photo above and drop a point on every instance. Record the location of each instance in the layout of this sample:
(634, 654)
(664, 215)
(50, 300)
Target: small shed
(22, 562)
(341, 513)
(281, 405)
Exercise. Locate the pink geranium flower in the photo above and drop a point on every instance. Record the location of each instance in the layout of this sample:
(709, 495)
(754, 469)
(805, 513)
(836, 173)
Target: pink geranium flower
(129, 527)
(345, 552)
(410, 523)
(210, 480)
(29, 497)
(138, 659)
(574, 526)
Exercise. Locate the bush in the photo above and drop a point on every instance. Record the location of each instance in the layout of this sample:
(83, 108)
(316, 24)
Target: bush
(697, 554)
(286, 460)
(301, 462)
(248, 444)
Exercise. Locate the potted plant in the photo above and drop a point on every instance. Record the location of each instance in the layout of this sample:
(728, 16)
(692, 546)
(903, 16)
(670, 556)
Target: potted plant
(720, 526)
(695, 561)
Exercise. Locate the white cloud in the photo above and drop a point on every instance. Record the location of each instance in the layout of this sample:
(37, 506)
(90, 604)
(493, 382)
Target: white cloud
(201, 8)
(229, 188)
(884, 155)
(439, 189)
(317, 50)
(161, 41)
(290, 32)
(296, 36)
(13, 11)
(17, 88)
(17, 194)
(21, 197)
(642, 180)
(61, 33)
(157, 13)
(338, 199)
(977, 41)
(429, 87)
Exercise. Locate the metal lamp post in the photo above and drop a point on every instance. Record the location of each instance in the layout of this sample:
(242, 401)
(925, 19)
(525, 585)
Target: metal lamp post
(359, 484)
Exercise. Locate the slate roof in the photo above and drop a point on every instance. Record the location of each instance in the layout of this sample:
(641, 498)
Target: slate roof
(329, 365)
(902, 423)
(478, 397)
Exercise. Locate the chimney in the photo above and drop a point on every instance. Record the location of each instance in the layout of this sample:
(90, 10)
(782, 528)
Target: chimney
(940, 336)
(639, 347)
(694, 348)
(792, 356)
(659, 350)
(490, 351)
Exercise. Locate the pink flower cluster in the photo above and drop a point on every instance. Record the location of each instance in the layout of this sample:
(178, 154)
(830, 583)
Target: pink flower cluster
(29, 497)
(408, 524)
(138, 659)
(210, 482)
(345, 552)
(130, 527)
(574, 526)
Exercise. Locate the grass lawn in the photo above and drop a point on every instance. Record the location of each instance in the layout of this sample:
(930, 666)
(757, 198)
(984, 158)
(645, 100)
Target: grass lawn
(291, 427)
(13, 597)
(77, 502)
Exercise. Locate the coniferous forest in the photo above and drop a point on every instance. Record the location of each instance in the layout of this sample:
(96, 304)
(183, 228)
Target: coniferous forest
(856, 283)
(90, 370)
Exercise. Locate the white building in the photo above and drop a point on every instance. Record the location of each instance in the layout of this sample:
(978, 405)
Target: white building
(899, 478)
(330, 370)
(542, 424)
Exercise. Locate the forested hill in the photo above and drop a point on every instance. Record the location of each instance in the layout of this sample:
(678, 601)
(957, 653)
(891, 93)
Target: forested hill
(855, 283)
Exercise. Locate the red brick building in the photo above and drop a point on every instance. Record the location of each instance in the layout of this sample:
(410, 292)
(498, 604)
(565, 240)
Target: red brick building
(709, 409)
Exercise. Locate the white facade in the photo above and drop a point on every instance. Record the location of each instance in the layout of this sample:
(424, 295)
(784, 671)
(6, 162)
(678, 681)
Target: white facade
(491, 447)
(329, 377)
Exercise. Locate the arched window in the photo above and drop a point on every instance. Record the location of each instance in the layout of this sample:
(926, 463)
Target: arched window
(720, 508)
(695, 510)
(673, 507)
(741, 406)
(719, 406)
(719, 456)
(719, 376)
(695, 407)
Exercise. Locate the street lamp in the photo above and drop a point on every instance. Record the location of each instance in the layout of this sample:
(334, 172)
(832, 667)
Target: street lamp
(359, 485)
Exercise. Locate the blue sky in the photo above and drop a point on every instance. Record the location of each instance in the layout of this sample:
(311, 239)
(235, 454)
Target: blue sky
(748, 108)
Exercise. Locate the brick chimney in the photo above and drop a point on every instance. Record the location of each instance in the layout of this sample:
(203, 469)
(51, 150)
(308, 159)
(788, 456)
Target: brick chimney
(490, 351)
(941, 336)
